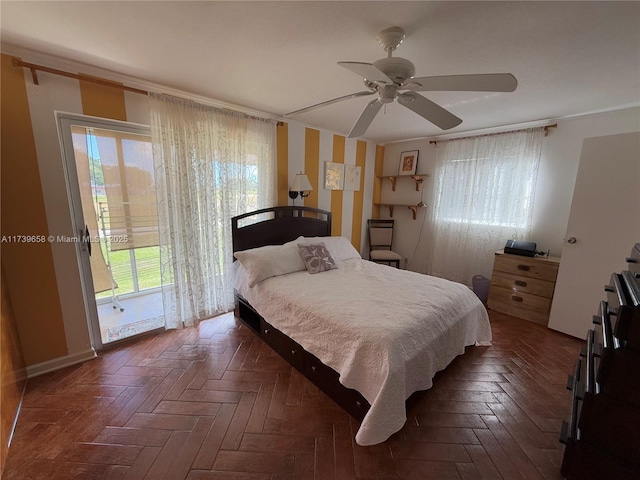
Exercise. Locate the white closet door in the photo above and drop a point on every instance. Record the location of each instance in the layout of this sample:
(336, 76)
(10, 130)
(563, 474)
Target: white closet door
(604, 221)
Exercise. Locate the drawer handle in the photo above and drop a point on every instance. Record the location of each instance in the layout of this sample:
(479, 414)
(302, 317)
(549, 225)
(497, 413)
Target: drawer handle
(524, 268)
(520, 283)
(293, 352)
(516, 298)
(313, 368)
(631, 260)
(609, 288)
(266, 331)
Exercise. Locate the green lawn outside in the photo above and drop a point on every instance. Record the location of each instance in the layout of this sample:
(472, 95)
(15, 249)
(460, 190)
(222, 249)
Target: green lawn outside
(148, 268)
(147, 260)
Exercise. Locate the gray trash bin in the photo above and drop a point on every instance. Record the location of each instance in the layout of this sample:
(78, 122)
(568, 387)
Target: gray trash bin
(481, 287)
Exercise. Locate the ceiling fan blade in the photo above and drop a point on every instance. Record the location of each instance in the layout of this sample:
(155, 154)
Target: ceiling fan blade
(364, 93)
(366, 117)
(429, 110)
(484, 82)
(367, 71)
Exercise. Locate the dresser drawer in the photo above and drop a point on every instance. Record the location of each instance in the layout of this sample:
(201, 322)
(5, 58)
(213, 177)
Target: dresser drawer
(525, 267)
(519, 304)
(518, 283)
(611, 425)
(328, 380)
(287, 348)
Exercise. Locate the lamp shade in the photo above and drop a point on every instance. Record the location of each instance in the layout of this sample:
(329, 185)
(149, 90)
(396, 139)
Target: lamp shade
(301, 183)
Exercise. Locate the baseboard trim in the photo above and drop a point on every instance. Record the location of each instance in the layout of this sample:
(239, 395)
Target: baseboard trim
(60, 362)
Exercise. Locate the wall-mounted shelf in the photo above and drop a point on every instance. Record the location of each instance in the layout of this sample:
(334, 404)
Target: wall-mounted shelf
(419, 179)
(390, 206)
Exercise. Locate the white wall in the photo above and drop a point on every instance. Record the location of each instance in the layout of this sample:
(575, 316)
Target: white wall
(554, 189)
(409, 235)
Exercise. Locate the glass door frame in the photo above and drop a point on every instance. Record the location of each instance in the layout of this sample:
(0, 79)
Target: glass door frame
(64, 122)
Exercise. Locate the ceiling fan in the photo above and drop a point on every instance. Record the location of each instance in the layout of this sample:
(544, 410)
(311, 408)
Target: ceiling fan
(392, 79)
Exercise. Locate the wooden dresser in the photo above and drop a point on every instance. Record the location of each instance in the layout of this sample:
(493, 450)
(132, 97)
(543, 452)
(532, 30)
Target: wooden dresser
(523, 286)
(601, 435)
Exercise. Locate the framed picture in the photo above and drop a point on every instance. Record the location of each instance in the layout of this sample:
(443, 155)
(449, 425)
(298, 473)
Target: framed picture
(408, 163)
(352, 176)
(333, 176)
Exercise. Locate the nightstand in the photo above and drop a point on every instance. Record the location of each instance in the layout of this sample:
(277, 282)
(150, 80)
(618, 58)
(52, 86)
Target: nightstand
(523, 286)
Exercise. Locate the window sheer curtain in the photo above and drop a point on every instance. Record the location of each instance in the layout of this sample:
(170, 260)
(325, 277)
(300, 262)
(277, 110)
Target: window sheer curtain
(210, 165)
(484, 196)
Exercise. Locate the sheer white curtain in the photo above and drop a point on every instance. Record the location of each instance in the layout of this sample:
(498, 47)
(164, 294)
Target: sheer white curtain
(484, 196)
(210, 165)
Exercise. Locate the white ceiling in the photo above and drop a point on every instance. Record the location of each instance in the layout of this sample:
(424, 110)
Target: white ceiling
(569, 57)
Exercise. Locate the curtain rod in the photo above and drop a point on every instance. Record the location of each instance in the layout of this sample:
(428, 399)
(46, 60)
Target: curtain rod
(17, 62)
(546, 132)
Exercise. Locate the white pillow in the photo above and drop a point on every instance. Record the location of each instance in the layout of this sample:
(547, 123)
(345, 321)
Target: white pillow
(270, 261)
(340, 248)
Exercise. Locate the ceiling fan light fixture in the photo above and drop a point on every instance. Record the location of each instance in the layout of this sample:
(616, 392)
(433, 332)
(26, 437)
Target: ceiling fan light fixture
(387, 94)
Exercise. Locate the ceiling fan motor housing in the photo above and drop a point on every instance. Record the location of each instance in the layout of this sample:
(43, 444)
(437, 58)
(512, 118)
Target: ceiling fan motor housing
(396, 68)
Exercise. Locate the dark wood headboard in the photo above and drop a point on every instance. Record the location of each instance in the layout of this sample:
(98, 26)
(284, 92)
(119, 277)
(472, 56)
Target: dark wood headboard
(278, 225)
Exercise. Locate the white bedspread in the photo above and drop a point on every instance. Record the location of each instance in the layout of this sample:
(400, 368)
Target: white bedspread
(385, 331)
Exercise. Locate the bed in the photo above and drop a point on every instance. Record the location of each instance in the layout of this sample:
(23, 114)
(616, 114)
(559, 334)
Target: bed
(366, 334)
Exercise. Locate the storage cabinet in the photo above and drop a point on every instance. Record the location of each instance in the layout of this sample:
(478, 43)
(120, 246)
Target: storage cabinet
(523, 286)
(601, 432)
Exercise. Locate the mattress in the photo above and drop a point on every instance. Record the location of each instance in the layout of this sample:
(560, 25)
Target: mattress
(385, 331)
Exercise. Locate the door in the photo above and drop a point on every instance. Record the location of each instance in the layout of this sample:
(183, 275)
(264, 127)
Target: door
(604, 224)
(110, 179)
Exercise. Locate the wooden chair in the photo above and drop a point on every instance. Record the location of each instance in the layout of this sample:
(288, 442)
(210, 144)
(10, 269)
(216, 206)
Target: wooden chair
(380, 241)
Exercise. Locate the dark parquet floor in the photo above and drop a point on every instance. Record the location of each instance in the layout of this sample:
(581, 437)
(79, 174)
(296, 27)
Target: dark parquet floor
(214, 402)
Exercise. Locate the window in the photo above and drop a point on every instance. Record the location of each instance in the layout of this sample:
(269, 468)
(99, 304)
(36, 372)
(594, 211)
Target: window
(495, 197)
(484, 196)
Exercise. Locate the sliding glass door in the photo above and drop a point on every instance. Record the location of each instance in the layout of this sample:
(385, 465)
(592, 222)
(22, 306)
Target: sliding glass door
(110, 178)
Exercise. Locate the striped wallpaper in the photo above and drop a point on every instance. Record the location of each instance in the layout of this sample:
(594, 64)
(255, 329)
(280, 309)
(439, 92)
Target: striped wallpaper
(55, 326)
(304, 149)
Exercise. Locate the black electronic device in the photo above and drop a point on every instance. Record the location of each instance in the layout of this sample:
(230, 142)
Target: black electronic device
(518, 247)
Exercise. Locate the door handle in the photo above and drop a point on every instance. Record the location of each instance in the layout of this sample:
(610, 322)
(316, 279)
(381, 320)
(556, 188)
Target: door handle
(571, 240)
(87, 239)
